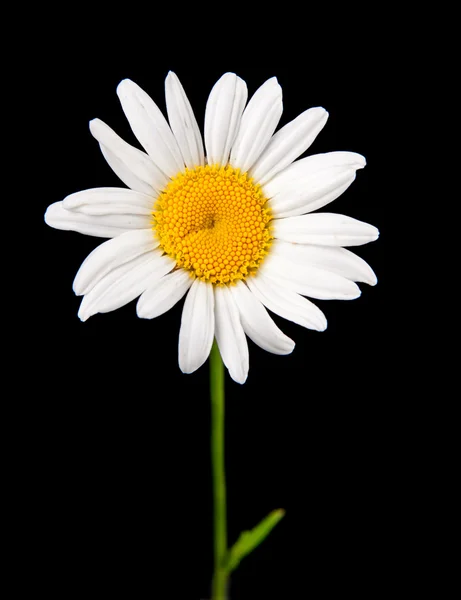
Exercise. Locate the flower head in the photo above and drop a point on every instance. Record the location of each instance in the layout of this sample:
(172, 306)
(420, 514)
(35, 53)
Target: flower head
(232, 228)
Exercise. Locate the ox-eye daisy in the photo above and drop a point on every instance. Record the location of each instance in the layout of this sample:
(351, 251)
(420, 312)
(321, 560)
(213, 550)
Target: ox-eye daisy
(226, 222)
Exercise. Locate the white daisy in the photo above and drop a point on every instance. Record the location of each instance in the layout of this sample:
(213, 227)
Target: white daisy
(231, 228)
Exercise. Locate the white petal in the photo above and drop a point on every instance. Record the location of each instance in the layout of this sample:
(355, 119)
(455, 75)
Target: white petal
(106, 226)
(132, 166)
(310, 167)
(324, 229)
(150, 127)
(311, 183)
(286, 303)
(307, 198)
(331, 258)
(257, 323)
(159, 298)
(309, 280)
(197, 327)
(258, 123)
(230, 336)
(109, 201)
(125, 283)
(222, 117)
(110, 255)
(289, 143)
(183, 122)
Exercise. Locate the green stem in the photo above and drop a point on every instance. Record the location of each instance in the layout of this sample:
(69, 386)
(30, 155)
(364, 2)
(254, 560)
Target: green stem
(220, 575)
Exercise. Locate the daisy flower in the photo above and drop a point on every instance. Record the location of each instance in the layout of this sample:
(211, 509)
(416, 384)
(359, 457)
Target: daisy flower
(227, 220)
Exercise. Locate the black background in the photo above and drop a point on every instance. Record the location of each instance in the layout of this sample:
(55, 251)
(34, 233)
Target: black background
(118, 444)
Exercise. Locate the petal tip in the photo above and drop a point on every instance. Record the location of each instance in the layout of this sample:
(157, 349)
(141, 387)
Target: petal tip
(289, 347)
(140, 310)
(86, 309)
(239, 377)
(320, 114)
(353, 292)
(46, 216)
(190, 364)
(323, 325)
(362, 161)
(50, 214)
(274, 82)
(230, 76)
(83, 316)
(95, 127)
(187, 370)
(77, 286)
(124, 86)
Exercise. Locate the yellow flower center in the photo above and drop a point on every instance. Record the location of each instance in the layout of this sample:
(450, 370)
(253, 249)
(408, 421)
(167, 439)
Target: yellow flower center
(214, 222)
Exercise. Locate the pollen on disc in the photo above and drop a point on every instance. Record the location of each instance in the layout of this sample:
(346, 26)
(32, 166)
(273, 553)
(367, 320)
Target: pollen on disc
(214, 222)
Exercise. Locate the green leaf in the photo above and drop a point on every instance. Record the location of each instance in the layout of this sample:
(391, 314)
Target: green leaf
(249, 540)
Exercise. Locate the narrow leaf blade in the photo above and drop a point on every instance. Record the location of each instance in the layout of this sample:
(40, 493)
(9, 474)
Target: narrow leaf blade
(249, 540)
